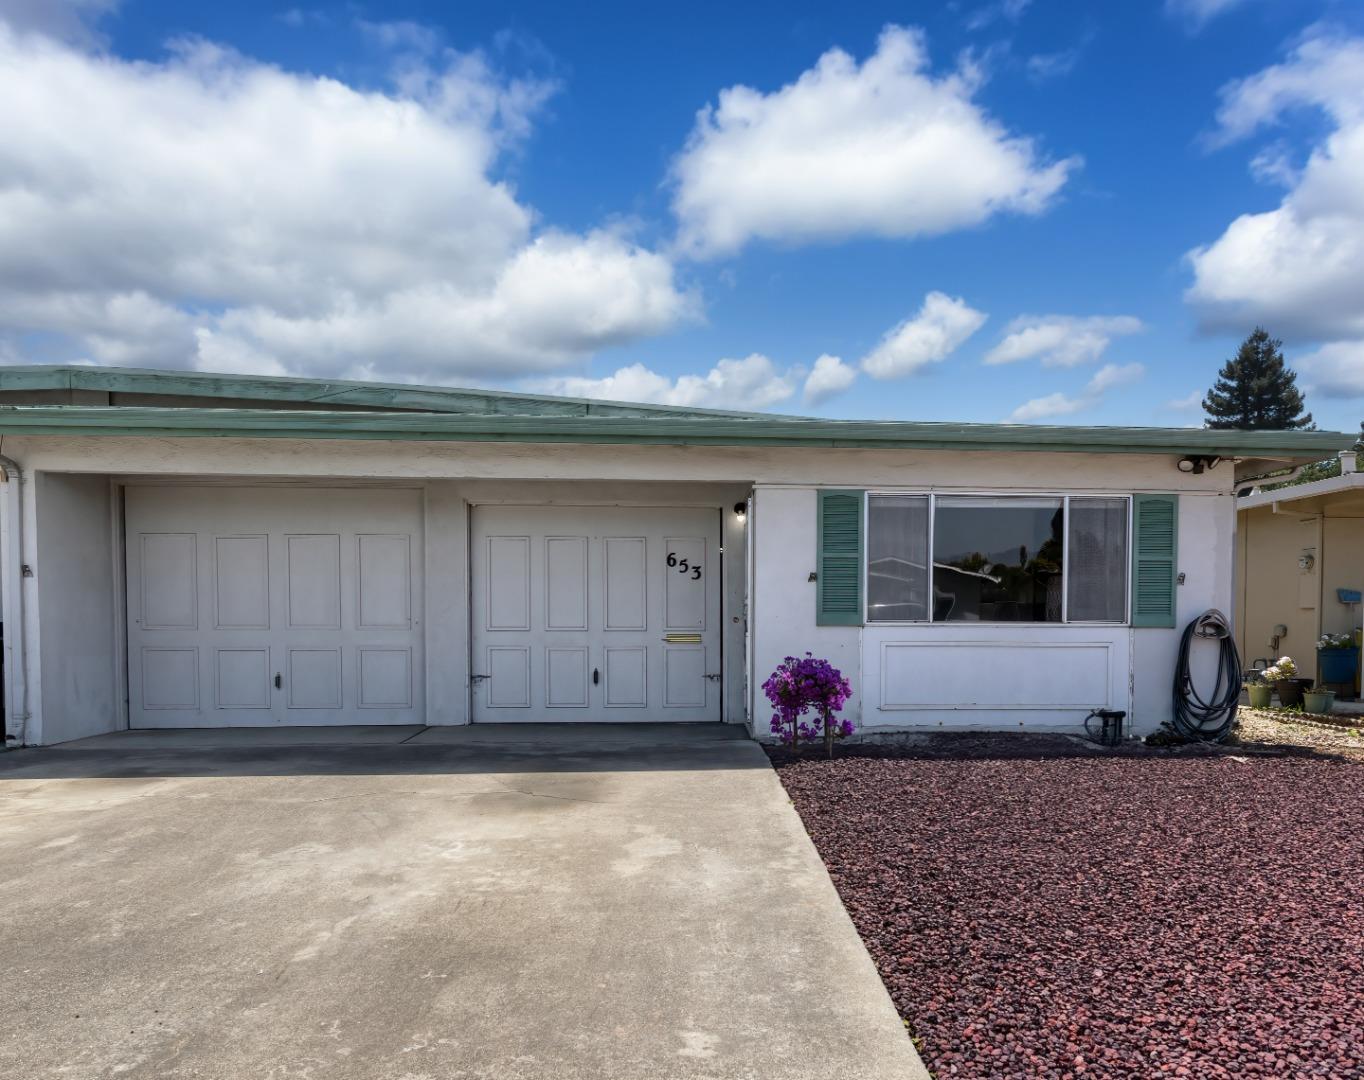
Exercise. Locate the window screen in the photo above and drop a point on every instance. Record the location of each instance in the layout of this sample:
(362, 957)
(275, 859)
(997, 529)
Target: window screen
(897, 558)
(1097, 560)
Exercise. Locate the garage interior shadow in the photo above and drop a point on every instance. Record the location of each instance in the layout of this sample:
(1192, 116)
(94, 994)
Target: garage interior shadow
(377, 751)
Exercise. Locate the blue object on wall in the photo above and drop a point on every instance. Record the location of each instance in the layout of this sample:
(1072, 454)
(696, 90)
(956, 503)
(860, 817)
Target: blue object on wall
(1348, 596)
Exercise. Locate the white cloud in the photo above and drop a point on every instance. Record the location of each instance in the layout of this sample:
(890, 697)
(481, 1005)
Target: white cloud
(208, 210)
(1111, 375)
(1060, 340)
(941, 325)
(66, 20)
(1189, 402)
(879, 149)
(829, 376)
(1336, 369)
(1197, 12)
(1298, 268)
(1044, 66)
(750, 384)
(1044, 408)
(1006, 10)
(1055, 405)
(559, 298)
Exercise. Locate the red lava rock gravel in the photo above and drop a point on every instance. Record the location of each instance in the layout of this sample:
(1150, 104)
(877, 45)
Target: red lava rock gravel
(1105, 916)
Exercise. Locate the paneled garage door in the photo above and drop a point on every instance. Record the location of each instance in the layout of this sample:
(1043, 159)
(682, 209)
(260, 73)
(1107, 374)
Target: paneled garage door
(269, 606)
(595, 614)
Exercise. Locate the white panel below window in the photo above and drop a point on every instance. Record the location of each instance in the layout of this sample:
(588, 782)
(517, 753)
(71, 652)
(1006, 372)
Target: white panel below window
(998, 675)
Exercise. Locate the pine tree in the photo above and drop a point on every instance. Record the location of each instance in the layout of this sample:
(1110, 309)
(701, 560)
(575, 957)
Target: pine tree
(1255, 391)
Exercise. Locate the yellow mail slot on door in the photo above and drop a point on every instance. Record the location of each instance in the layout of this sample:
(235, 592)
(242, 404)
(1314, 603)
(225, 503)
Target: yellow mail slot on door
(683, 639)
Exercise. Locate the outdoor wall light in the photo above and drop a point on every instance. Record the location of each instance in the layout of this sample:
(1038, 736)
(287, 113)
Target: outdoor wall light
(1196, 463)
(741, 510)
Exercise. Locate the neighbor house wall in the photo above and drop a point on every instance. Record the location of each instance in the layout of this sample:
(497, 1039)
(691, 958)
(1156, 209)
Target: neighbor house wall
(1272, 589)
(1342, 567)
(76, 608)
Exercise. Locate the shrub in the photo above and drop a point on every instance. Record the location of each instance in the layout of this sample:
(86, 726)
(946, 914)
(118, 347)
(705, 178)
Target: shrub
(808, 685)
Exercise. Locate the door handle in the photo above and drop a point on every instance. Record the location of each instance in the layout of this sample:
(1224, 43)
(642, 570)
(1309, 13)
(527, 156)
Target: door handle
(478, 678)
(279, 681)
(596, 676)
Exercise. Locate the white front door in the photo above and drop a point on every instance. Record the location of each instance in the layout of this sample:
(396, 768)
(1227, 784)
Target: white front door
(595, 614)
(256, 606)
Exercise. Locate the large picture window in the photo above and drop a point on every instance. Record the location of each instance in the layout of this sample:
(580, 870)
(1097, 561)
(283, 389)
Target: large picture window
(996, 559)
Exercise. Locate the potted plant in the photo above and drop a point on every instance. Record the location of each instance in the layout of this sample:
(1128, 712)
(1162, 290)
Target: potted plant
(1338, 658)
(1257, 690)
(1287, 682)
(1319, 701)
(806, 685)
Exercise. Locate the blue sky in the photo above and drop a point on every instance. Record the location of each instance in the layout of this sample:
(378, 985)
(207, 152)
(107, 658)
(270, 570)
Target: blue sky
(1042, 211)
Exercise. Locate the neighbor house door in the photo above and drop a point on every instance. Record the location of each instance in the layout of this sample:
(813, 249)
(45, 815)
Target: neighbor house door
(595, 614)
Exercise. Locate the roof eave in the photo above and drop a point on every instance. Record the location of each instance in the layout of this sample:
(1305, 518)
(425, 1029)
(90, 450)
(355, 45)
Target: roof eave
(1315, 489)
(136, 421)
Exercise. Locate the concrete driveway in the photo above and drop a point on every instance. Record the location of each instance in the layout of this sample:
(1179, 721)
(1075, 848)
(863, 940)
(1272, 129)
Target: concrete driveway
(570, 902)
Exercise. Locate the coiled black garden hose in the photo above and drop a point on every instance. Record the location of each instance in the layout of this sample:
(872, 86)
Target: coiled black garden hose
(1207, 720)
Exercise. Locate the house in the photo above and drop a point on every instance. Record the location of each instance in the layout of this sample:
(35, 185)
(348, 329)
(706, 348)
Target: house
(187, 550)
(1299, 566)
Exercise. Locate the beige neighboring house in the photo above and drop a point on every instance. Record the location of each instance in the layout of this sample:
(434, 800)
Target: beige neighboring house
(1299, 566)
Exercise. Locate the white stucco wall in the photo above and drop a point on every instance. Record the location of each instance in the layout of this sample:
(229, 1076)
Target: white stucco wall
(75, 594)
(76, 609)
(784, 598)
(828, 466)
(1070, 668)
(1207, 550)
(782, 603)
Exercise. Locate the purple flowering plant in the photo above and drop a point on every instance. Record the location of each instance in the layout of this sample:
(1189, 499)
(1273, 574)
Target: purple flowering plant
(808, 685)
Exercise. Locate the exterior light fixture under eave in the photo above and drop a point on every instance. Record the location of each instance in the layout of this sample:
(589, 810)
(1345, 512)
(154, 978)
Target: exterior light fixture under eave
(741, 510)
(1197, 463)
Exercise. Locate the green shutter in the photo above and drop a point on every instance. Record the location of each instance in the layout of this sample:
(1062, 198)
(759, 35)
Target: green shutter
(1155, 550)
(839, 559)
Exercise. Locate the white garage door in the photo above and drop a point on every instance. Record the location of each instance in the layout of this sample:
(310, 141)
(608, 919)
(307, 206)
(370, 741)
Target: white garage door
(265, 606)
(595, 614)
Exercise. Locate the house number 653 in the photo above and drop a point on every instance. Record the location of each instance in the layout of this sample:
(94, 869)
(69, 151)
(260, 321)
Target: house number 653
(683, 566)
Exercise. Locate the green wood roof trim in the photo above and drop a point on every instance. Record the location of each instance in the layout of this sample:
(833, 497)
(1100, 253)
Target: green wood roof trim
(132, 421)
(379, 396)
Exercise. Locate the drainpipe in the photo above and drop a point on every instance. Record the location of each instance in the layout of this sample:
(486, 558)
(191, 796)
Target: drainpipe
(12, 576)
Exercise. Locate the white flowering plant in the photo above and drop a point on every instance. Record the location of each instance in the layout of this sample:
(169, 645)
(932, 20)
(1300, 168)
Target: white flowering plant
(1336, 641)
(1281, 670)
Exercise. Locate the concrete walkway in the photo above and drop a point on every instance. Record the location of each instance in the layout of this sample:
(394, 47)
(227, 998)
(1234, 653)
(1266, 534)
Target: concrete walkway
(552, 903)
